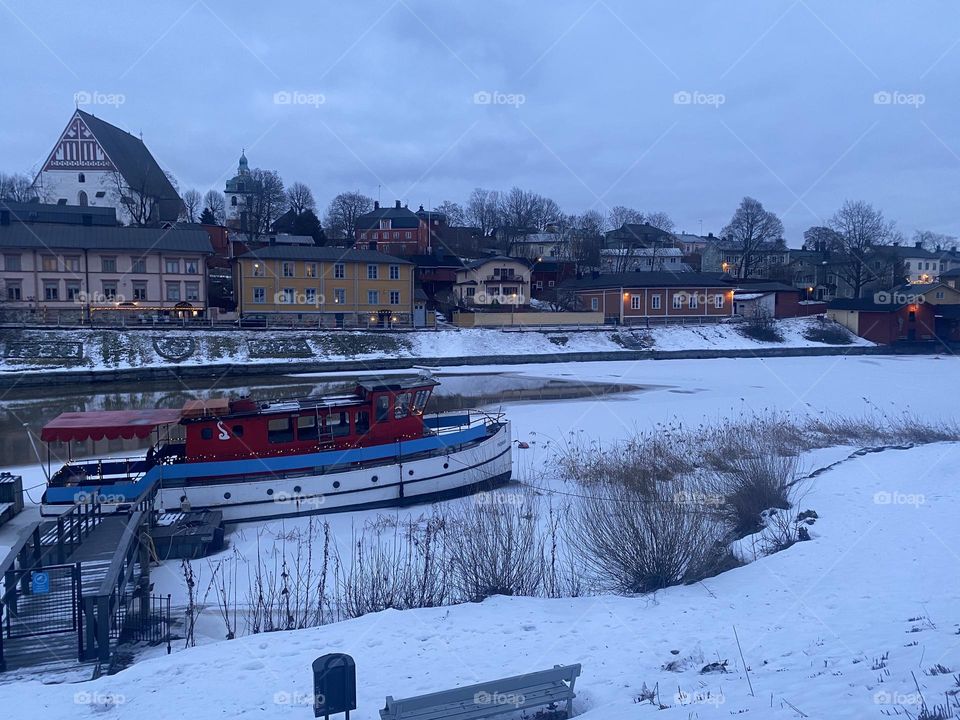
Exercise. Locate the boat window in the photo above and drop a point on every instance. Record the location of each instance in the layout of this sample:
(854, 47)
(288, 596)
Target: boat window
(420, 402)
(238, 430)
(307, 427)
(206, 433)
(363, 422)
(280, 430)
(401, 406)
(338, 424)
(383, 408)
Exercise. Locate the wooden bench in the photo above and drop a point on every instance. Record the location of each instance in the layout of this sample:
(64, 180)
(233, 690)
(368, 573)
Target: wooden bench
(483, 700)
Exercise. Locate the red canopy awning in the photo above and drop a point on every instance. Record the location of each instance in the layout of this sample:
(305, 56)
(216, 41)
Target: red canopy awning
(111, 424)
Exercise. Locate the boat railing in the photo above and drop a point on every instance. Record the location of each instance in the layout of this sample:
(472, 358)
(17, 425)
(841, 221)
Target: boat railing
(107, 471)
(448, 423)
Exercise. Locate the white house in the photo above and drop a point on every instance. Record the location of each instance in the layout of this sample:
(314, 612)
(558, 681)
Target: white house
(95, 164)
(661, 259)
(497, 280)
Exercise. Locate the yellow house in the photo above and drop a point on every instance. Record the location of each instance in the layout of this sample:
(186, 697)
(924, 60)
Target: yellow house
(327, 286)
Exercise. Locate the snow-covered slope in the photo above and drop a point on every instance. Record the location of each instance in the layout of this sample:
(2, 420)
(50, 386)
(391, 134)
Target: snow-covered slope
(107, 349)
(833, 628)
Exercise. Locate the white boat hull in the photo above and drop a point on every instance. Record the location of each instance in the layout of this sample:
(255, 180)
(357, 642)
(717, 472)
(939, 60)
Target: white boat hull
(479, 466)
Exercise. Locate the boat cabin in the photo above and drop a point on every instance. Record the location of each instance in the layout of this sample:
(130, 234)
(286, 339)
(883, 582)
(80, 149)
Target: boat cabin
(377, 413)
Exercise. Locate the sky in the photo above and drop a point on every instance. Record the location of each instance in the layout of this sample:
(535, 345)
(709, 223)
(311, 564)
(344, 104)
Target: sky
(661, 106)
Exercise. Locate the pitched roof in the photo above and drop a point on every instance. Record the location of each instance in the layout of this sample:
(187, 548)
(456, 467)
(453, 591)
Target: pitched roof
(951, 273)
(911, 251)
(480, 262)
(81, 237)
(400, 217)
(322, 254)
(652, 279)
(866, 304)
(65, 214)
(749, 284)
(135, 163)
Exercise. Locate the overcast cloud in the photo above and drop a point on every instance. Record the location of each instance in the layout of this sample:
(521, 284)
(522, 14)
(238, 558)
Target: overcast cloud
(681, 107)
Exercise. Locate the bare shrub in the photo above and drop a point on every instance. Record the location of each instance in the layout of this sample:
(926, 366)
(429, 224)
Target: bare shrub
(828, 332)
(757, 478)
(405, 569)
(637, 540)
(496, 547)
(761, 326)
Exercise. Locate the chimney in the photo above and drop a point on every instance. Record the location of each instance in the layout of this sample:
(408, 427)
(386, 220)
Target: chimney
(918, 244)
(398, 204)
(376, 204)
(896, 243)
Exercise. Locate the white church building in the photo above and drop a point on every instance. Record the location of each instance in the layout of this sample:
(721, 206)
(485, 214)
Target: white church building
(96, 164)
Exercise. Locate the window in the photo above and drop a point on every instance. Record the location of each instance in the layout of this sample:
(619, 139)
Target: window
(279, 430)
(594, 303)
(14, 290)
(339, 270)
(420, 401)
(408, 235)
(376, 236)
(233, 201)
(51, 290)
(108, 264)
(190, 267)
(48, 263)
(339, 296)
(362, 422)
(72, 263)
(11, 263)
(551, 283)
(310, 270)
(384, 224)
(258, 270)
(383, 408)
(73, 291)
(654, 302)
(173, 291)
(172, 266)
(677, 301)
(401, 406)
(694, 301)
(718, 300)
(394, 272)
(338, 424)
(288, 269)
(139, 290)
(394, 297)
(288, 296)
(372, 273)
(138, 265)
(539, 284)
(907, 264)
(191, 291)
(82, 178)
(259, 295)
(373, 297)
(307, 427)
(82, 199)
(635, 302)
(471, 292)
(109, 289)
(311, 296)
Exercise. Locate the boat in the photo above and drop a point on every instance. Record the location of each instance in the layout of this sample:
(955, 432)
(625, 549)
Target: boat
(258, 460)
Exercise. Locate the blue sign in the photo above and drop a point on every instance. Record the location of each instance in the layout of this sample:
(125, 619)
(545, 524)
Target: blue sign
(40, 582)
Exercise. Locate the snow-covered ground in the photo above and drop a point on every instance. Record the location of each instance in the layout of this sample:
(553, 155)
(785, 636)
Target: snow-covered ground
(831, 628)
(107, 349)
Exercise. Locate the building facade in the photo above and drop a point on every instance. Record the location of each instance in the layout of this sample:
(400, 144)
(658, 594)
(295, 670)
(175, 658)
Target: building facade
(326, 286)
(77, 269)
(393, 230)
(647, 297)
(494, 281)
(95, 164)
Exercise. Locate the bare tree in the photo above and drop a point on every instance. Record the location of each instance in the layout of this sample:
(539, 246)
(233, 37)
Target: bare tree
(213, 199)
(300, 198)
(821, 237)
(659, 220)
(137, 201)
(343, 212)
(620, 216)
(265, 201)
(751, 231)
(192, 206)
(456, 215)
(861, 229)
(933, 241)
(16, 187)
(483, 210)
